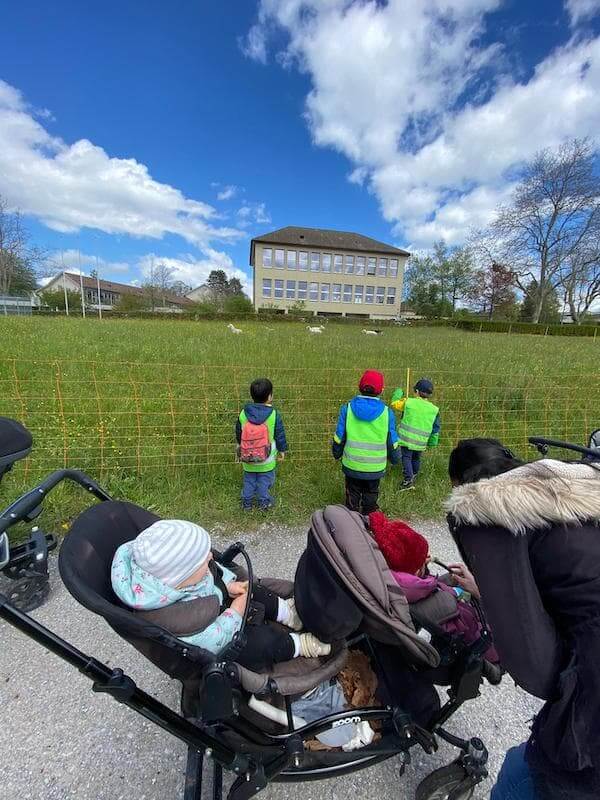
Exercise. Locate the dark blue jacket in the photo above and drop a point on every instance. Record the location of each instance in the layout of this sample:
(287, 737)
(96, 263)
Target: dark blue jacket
(258, 413)
(365, 408)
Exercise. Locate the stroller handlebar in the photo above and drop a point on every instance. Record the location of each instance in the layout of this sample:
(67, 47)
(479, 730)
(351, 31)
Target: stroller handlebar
(543, 444)
(22, 508)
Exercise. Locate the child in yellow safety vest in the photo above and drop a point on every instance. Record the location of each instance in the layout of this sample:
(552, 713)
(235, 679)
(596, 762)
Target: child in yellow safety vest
(365, 439)
(419, 427)
(261, 442)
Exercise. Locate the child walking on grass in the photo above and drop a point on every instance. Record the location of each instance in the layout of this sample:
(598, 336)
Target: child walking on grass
(261, 442)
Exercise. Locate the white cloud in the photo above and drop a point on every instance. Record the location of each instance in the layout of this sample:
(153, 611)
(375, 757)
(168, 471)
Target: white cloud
(580, 10)
(193, 271)
(71, 186)
(228, 192)
(430, 120)
(70, 260)
(251, 213)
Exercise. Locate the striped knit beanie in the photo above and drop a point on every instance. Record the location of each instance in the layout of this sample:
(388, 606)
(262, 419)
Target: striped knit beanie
(171, 550)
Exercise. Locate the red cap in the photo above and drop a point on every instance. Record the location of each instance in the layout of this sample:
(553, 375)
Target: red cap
(403, 548)
(371, 379)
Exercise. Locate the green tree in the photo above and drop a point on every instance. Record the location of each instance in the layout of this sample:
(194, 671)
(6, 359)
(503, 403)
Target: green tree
(234, 287)
(131, 302)
(217, 284)
(55, 300)
(238, 304)
(18, 259)
(426, 300)
(549, 313)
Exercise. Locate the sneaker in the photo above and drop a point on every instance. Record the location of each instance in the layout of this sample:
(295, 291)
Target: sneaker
(311, 647)
(293, 621)
(266, 506)
(407, 485)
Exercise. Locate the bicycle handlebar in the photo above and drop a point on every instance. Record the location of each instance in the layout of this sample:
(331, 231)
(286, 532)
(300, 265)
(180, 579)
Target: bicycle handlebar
(27, 503)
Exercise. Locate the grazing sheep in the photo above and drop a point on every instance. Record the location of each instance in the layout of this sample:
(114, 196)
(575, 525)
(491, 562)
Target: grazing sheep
(372, 332)
(315, 328)
(233, 329)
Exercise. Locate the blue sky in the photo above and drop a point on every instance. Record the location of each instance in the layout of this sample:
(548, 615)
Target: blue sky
(176, 132)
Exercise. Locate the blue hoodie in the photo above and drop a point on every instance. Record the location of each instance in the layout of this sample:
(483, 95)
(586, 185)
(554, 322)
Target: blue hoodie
(367, 409)
(257, 413)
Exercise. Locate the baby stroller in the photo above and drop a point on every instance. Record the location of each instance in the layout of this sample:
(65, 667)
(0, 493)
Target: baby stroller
(26, 564)
(217, 721)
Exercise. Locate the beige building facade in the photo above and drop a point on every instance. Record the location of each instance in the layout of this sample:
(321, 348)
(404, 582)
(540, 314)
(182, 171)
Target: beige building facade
(325, 272)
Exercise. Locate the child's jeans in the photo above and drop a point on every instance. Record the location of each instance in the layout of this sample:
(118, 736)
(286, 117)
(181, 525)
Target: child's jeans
(258, 484)
(411, 463)
(514, 780)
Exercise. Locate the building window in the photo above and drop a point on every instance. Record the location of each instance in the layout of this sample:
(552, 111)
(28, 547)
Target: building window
(347, 293)
(266, 287)
(393, 267)
(338, 264)
(291, 259)
(370, 295)
(391, 295)
(382, 267)
(336, 293)
(349, 265)
(360, 265)
(315, 260)
(358, 294)
(325, 292)
(302, 261)
(313, 291)
(326, 262)
(372, 266)
(290, 290)
(302, 290)
(279, 259)
(278, 289)
(267, 257)
(380, 295)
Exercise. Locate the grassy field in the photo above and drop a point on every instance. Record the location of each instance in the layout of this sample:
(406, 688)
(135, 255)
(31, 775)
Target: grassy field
(148, 407)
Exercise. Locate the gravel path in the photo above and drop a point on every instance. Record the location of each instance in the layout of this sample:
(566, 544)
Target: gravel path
(61, 742)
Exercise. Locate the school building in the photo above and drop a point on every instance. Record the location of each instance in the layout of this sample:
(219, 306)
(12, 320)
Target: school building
(330, 273)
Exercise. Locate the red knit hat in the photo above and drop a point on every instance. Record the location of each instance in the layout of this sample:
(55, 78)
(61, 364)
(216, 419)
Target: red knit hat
(371, 379)
(403, 548)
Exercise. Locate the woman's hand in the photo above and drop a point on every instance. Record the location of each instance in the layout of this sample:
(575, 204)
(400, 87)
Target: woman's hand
(464, 578)
(239, 603)
(237, 588)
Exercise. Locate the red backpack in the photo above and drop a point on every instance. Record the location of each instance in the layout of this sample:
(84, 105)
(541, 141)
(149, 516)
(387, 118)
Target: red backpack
(255, 445)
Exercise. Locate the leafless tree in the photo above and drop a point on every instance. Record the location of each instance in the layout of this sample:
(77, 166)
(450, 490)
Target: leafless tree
(18, 259)
(553, 214)
(158, 284)
(580, 279)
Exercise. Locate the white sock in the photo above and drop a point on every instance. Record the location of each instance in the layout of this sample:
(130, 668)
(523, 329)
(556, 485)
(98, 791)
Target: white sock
(296, 640)
(283, 611)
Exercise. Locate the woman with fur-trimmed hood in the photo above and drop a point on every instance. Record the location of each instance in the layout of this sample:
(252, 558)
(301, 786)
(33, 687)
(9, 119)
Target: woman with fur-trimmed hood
(530, 534)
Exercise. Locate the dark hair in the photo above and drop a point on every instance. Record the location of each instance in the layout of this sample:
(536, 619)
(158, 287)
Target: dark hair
(261, 389)
(368, 391)
(474, 459)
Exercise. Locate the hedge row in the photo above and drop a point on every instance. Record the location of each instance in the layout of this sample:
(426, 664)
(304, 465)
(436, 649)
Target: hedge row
(484, 326)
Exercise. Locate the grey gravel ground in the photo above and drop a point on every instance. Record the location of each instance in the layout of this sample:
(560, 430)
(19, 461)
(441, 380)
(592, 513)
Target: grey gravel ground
(61, 742)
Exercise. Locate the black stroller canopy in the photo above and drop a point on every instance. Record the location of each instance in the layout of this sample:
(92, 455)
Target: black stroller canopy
(15, 441)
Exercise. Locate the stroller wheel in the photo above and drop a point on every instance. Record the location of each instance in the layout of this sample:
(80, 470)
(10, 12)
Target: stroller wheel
(29, 592)
(442, 784)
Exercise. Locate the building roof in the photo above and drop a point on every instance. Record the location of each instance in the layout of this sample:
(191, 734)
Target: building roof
(320, 237)
(117, 288)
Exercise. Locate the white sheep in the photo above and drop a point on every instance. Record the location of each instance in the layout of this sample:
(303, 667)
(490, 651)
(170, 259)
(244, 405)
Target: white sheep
(233, 329)
(371, 332)
(315, 328)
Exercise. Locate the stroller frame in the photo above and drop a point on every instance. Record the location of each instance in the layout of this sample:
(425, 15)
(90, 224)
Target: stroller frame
(263, 757)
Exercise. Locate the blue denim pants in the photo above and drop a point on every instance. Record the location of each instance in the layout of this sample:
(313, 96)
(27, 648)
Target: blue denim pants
(514, 779)
(258, 485)
(411, 463)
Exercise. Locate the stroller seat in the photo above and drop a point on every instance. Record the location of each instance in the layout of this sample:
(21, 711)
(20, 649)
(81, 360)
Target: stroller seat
(85, 560)
(15, 443)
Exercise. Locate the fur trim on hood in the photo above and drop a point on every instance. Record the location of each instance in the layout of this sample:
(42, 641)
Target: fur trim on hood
(536, 495)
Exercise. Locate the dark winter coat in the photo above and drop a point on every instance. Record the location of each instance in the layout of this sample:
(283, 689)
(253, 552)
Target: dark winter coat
(532, 540)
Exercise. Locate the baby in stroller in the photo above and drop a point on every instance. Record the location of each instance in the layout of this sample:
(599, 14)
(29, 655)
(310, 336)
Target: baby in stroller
(407, 555)
(170, 565)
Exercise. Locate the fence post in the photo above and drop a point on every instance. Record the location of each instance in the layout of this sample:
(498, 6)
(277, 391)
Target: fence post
(595, 331)
(510, 328)
(407, 381)
(480, 327)
(546, 331)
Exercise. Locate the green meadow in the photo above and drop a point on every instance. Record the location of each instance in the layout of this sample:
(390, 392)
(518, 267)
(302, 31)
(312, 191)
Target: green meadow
(148, 407)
